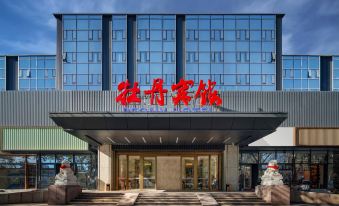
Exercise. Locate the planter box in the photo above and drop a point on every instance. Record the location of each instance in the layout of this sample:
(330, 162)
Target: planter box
(274, 194)
(62, 194)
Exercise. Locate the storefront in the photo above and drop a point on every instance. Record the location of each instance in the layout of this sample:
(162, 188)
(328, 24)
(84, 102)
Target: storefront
(38, 170)
(296, 164)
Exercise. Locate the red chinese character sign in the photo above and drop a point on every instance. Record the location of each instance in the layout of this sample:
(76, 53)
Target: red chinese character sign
(157, 92)
(207, 94)
(182, 91)
(128, 95)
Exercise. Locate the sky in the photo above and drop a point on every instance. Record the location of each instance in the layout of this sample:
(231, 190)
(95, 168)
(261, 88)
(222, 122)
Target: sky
(309, 26)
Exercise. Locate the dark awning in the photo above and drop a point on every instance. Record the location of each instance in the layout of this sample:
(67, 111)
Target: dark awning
(169, 128)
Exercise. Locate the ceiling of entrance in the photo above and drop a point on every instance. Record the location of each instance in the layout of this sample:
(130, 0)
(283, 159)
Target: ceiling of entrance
(169, 128)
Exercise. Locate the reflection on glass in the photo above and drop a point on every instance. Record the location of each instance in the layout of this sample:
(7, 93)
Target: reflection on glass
(188, 173)
(149, 172)
(133, 172)
(246, 177)
(214, 172)
(203, 173)
(265, 157)
(122, 174)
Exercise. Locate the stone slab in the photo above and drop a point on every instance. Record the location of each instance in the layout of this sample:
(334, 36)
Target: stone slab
(14, 198)
(274, 194)
(62, 194)
(27, 197)
(207, 199)
(128, 199)
(3, 199)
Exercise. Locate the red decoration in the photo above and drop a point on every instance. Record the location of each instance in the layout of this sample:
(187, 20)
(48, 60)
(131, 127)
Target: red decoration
(182, 91)
(63, 166)
(207, 94)
(157, 92)
(273, 167)
(128, 95)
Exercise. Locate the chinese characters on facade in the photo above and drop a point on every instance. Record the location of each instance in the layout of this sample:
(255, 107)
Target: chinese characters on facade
(205, 93)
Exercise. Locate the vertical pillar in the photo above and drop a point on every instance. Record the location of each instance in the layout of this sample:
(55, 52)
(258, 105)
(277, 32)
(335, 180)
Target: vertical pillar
(230, 171)
(12, 73)
(106, 52)
(326, 73)
(105, 167)
(180, 47)
(59, 56)
(131, 48)
(279, 52)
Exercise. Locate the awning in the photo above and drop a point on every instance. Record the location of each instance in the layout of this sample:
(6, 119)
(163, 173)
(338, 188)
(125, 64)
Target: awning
(169, 128)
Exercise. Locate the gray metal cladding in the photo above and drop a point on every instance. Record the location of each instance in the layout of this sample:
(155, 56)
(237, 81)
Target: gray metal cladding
(32, 108)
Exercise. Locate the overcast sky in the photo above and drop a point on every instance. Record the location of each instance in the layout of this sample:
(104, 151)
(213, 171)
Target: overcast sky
(309, 26)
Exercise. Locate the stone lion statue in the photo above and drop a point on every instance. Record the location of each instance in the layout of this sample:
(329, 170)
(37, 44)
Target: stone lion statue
(66, 175)
(272, 175)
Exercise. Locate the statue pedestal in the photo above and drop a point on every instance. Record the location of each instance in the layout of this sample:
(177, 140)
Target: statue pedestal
(274, 194)
(62, 194)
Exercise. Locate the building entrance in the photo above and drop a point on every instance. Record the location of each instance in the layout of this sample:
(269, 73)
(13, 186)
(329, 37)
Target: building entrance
(168, 172)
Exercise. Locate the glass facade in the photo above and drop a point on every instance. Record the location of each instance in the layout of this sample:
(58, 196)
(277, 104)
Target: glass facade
(295, 164)
(2, 73)
(39, 170)
(36, 73)
(236, 51)
(119, 50)
(82, 52)
(335, 75)
(301, 73)
(156, 40)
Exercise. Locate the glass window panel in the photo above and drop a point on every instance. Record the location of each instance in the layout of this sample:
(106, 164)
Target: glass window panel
(268, 24)
(267, 156)
(155, 35)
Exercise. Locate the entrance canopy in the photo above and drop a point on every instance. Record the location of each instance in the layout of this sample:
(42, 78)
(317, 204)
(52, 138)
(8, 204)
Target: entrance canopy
(169, 128)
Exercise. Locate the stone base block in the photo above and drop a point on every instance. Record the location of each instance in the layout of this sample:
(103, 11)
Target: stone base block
(62, 194)
(274, 194)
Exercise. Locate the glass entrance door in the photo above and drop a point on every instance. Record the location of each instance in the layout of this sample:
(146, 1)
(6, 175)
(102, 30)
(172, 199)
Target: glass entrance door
(203, 173)
(149, 172)
(133, 172)
(187, 174)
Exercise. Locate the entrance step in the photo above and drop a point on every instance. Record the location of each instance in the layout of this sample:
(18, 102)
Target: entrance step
(97, 198)
(238, 198)
(167, 199)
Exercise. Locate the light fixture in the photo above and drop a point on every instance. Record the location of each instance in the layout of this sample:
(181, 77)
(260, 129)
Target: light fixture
(160, 139)
(111, 140)
(194, 139)
(143, 139)
(176, 141)
(129, 142)
(210, 140)
(227, 139)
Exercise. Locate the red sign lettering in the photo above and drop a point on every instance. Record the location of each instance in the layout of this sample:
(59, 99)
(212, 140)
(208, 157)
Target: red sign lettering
(182, 91)
(208, 94)
(157, 92)
(128, 95)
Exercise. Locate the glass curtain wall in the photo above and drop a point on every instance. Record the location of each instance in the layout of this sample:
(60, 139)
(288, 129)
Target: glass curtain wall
(335, 74)
(119, 50)
(36, 73)
(236, 51)
(82, 52)
(2, 73)
(155, 50)
(301, 73)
